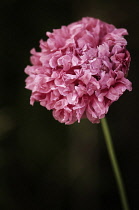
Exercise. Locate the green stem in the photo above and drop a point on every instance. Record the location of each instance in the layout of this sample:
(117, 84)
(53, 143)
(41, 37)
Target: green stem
(114, 163)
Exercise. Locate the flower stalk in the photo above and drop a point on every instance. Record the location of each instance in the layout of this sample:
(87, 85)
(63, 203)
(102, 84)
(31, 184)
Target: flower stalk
(114, 163)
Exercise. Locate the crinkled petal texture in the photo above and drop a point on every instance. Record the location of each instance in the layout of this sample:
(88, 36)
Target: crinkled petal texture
(80, 71)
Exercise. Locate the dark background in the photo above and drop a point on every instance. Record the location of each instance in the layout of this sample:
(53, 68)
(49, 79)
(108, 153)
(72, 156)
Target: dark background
(45, 164)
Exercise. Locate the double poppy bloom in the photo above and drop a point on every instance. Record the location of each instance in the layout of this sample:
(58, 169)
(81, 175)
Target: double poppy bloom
(80, 70)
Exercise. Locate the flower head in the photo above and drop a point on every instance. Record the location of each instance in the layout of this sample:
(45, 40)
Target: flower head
(80, 71)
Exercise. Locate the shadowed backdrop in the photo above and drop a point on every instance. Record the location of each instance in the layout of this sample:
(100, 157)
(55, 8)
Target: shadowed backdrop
(45, 164)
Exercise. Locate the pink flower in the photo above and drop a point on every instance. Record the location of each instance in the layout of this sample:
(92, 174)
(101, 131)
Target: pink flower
(80, 71)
